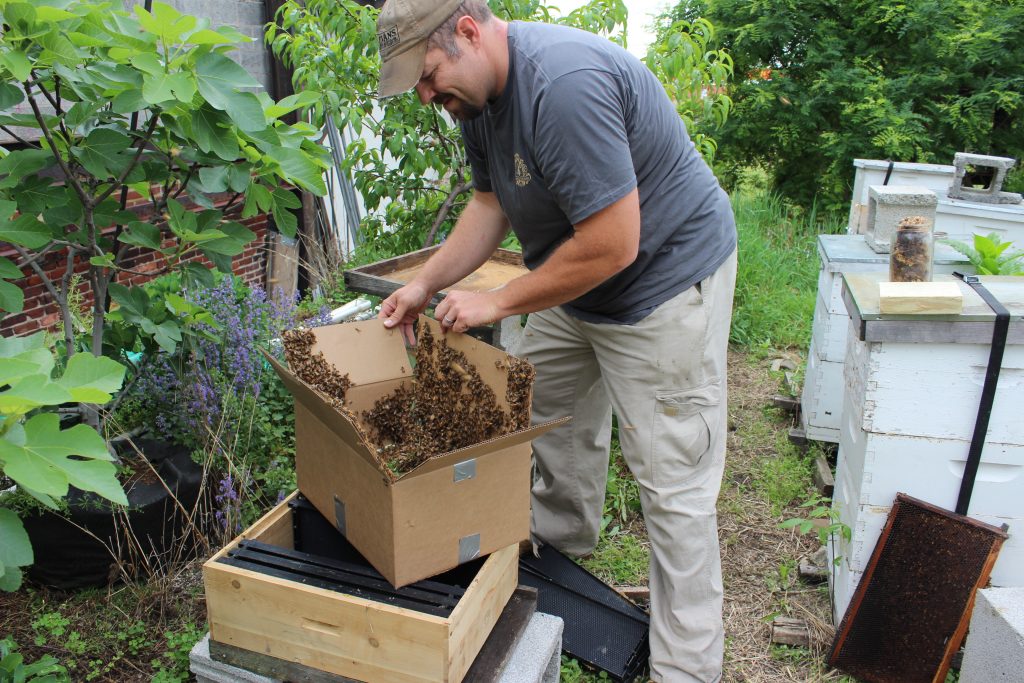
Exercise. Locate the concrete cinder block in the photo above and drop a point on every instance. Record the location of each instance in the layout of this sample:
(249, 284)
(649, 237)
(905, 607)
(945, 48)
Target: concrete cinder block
(890, 204)
(995, 644)
(535, 658)
(992, 193)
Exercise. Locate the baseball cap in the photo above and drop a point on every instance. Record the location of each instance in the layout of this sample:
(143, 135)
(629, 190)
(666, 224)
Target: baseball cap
(403, 27)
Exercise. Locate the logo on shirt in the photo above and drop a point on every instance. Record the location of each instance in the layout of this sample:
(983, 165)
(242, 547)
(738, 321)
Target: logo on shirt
(523, 176)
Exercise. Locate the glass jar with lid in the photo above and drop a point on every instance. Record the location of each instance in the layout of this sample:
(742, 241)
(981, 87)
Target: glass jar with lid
(910, 257)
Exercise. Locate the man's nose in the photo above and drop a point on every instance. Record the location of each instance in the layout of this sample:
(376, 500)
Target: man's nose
(424, 92)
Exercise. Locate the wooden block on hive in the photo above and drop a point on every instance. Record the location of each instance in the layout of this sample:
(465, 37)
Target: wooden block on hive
(920, 298)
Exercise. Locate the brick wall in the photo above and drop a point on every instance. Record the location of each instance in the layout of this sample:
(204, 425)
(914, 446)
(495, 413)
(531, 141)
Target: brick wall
(42, 312)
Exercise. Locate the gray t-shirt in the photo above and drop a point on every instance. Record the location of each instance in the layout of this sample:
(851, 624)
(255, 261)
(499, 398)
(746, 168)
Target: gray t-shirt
(580, 123)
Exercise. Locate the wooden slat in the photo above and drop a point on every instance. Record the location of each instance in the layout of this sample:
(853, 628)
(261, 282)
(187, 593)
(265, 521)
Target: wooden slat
(475, 615)
(384, 277)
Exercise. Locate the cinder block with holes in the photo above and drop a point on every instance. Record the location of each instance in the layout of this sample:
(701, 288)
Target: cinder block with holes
(890, 204)
(979, 178)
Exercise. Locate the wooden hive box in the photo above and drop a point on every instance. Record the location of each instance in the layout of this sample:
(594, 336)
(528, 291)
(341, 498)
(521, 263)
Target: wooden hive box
(344, 634)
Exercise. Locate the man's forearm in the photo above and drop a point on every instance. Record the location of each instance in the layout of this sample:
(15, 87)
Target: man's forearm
(478, 232)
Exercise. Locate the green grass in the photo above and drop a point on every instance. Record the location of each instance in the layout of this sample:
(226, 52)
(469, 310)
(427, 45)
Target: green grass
(776, 277)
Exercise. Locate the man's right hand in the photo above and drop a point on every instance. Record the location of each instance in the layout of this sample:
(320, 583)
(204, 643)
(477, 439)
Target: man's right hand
(403, 307)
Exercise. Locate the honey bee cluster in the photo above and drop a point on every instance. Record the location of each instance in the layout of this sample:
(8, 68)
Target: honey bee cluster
(314, 370)
(520, 380)
(447, 406)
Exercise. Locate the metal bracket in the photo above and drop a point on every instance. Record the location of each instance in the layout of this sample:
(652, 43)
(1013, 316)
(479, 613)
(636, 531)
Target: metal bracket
(469, 547)
(464, 470)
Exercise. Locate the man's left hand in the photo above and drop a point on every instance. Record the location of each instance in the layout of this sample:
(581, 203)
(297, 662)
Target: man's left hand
(462, 310)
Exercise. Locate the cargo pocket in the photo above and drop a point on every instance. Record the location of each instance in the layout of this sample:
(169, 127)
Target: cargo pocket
(684, 421)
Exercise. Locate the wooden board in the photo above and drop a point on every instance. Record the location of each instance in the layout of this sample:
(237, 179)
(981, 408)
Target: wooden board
(384, 277)
(920, 298)
(347, 635)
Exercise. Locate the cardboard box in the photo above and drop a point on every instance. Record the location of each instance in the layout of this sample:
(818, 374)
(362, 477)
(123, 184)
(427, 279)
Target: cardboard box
(448, 510)
(347, 635)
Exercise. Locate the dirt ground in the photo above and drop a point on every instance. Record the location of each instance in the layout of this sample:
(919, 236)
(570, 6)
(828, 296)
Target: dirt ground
(758, 558)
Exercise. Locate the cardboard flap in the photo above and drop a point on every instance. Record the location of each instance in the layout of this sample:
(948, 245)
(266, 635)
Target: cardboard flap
(488, 361)
(381, 352)
(313, 401)
(483, 449)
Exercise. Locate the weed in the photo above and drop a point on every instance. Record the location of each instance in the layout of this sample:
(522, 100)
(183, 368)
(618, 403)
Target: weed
(173, 666)
(621, 559)
(573, 672)
(783, 478)
(819, 507)
(13, 668)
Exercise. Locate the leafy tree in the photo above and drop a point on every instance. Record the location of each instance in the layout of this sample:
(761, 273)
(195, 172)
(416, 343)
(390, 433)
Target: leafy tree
(416, 181)
(827, 81)
(152, 102)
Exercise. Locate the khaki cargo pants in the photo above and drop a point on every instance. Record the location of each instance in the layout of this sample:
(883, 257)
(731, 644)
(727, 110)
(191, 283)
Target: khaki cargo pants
(664, 378)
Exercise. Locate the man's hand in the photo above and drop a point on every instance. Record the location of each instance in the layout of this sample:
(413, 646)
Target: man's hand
(462, 310)
(403, 307)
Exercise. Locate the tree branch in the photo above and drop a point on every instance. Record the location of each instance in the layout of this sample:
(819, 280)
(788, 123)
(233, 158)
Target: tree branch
(443, 212)
(83, 196)
(135, 159)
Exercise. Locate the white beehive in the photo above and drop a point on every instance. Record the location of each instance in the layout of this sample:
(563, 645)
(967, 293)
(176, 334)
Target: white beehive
(822, 396)
(908, 416)
(959, 219)
(935, 177)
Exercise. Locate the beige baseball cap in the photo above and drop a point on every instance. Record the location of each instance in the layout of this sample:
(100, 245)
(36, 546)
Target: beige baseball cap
(403, 27)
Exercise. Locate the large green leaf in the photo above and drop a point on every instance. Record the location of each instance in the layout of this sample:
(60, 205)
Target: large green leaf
(17, 64)
(8, 270)
(305, 98)
(43, 460)
(32, 391)
(102, 152)
(165, 21)
(92, 379)
(134, 301)
(299, 168)
(283, 202)
(10, 95)
(58, 49)
(142, 235)
(218, 80)
(211, 130)
(20, 163)
(15, 548)
(25, 230)
(11, 580)
(12, 299)
(232, 240)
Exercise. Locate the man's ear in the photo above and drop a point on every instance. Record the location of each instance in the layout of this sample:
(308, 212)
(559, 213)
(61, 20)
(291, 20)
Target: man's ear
(467, 28)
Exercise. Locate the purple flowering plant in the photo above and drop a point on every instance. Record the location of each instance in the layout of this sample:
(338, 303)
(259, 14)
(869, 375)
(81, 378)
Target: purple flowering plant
(219, 397)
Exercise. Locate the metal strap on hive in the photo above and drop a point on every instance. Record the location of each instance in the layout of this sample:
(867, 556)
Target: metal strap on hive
(602, 628)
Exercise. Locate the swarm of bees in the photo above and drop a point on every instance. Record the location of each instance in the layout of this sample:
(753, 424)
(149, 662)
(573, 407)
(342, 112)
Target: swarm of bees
(314, 370)
(520, 381)
(446, 406)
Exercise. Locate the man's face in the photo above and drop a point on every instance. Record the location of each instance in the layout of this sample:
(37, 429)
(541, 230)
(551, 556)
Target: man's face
(452, 83)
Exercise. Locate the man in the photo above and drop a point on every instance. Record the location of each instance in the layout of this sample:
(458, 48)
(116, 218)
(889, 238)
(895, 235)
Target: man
(630, 243)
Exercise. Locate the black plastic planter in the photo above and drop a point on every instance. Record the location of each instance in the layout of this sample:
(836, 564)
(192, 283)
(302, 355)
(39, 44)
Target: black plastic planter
(68, 557)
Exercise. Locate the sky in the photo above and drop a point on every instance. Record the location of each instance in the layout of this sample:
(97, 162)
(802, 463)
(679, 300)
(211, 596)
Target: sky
(641, 15)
